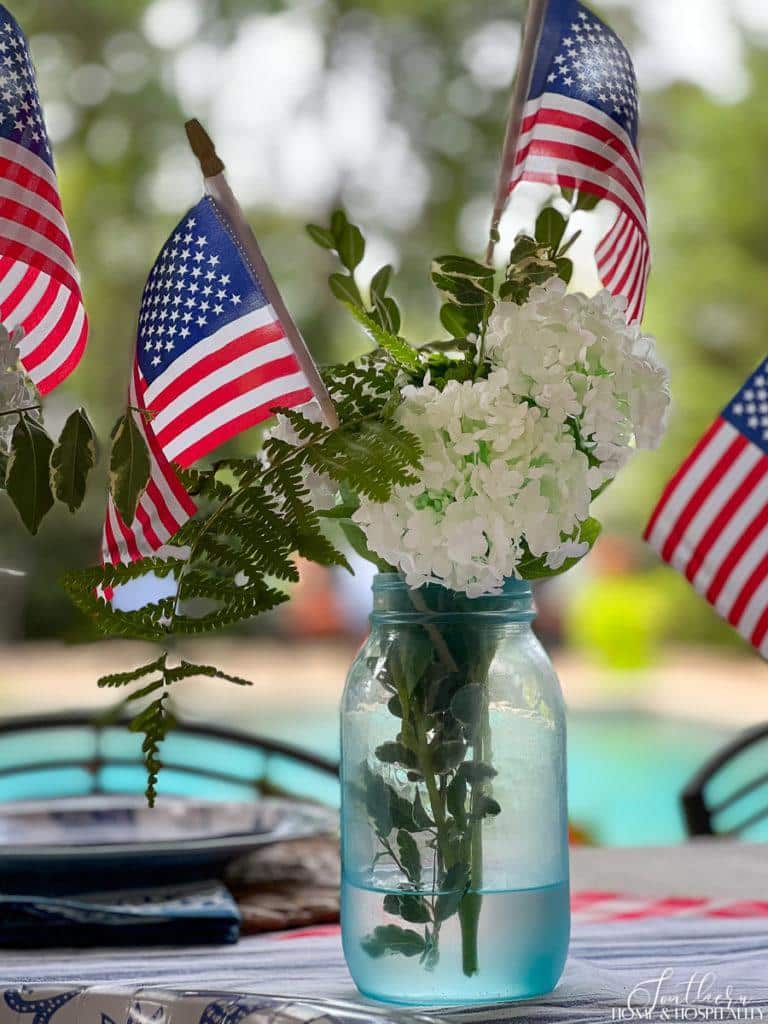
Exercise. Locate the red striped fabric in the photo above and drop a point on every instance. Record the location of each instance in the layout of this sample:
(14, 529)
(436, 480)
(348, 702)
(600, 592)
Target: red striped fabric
(163, 508)
(39, 282)
(711, 524)
(570, 143)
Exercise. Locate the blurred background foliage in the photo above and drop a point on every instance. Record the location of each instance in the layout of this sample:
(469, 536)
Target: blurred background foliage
(396, 108)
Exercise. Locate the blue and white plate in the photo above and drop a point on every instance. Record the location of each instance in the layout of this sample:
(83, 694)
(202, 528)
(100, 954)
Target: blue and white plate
(119, 837)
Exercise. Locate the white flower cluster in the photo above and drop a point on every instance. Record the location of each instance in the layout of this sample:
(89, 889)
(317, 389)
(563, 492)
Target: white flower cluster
(16, 392)
(576, 356)
(504, 457)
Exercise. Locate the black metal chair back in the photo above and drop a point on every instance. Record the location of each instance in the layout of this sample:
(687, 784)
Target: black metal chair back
(78, 754)
(728, 795)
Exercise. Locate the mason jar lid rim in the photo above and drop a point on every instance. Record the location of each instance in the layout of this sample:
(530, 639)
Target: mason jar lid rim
(512, 587)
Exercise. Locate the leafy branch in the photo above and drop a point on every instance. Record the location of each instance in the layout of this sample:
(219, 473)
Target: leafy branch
(39, 471)
(380, 319)
(156, 720)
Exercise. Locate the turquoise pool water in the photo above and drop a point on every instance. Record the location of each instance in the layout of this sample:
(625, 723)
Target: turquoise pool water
(626, 769)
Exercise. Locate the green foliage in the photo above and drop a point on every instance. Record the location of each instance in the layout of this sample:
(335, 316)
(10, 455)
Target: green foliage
(467, 287)
(256, 515)
(389, 938)
(72, 459)
(381, 320)
(128, 466)
(155, 720)
(437, 682)
(550, 228)
(28, 476)
(536, 568)
(399, 349)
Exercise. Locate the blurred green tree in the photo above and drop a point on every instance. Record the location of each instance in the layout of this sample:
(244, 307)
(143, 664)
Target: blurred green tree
(118, 79)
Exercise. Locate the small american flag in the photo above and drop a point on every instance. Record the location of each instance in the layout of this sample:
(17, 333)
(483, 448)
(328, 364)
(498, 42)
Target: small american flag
(39, 282)
(712, 520)
(579, 131)
(212, 360)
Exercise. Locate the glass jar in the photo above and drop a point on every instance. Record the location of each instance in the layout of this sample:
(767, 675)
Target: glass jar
(454, 821)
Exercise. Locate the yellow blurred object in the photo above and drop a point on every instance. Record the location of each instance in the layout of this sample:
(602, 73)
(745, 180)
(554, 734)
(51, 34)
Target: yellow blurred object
(618, 620)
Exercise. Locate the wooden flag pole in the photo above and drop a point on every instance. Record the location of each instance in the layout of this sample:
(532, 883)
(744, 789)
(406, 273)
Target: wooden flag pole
(217, 187)
(534, 23)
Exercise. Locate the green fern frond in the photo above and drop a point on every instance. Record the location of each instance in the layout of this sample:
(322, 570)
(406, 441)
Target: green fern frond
(116, 679)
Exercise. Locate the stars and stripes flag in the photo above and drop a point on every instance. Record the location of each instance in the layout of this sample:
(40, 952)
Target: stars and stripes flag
(212, 359)
(711, 523)
(39, 282)
(579, 131)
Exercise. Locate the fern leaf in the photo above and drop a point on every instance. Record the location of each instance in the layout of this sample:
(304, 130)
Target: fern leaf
(115, 679)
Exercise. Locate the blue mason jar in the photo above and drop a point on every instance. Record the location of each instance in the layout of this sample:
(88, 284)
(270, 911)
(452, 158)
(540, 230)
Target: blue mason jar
(454, 818)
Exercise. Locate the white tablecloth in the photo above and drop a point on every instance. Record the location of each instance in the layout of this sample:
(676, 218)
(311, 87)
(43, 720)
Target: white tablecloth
(705, 963)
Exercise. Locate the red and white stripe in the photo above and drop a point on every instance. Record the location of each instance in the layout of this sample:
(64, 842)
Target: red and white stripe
(224, 385)
(163, 508)
(591, 907)
(566, 142)
(39, 282)
(712, 525)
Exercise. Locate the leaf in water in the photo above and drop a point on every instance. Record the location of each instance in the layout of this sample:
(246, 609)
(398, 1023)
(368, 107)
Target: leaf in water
(456, 796)
(390, 938)
(128, 466)
(397, 753)
(395, 707)
(467, 704)
(421, 819)
(377, 803)
(72, 460)
(409, 856)
(338, 223)
(486, 805)
(409, 906)
(412, 657)
(476, 772)
(453, 887)
(447, 755)
(28, 477)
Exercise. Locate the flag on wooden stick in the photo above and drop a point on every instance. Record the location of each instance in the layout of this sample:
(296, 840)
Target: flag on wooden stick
(216, 354)
(574, 123)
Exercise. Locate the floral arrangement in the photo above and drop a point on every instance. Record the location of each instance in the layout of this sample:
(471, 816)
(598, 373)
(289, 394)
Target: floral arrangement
(521, 421)
(459, 463)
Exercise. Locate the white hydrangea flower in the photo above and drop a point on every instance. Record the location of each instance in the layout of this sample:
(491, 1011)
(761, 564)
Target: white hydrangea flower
(511, 462)
(505, 464)
(576, 357)
(497, 472)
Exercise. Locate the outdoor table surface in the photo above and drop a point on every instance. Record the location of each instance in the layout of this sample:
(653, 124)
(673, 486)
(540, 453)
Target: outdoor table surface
(706, 868)
(608, 958)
